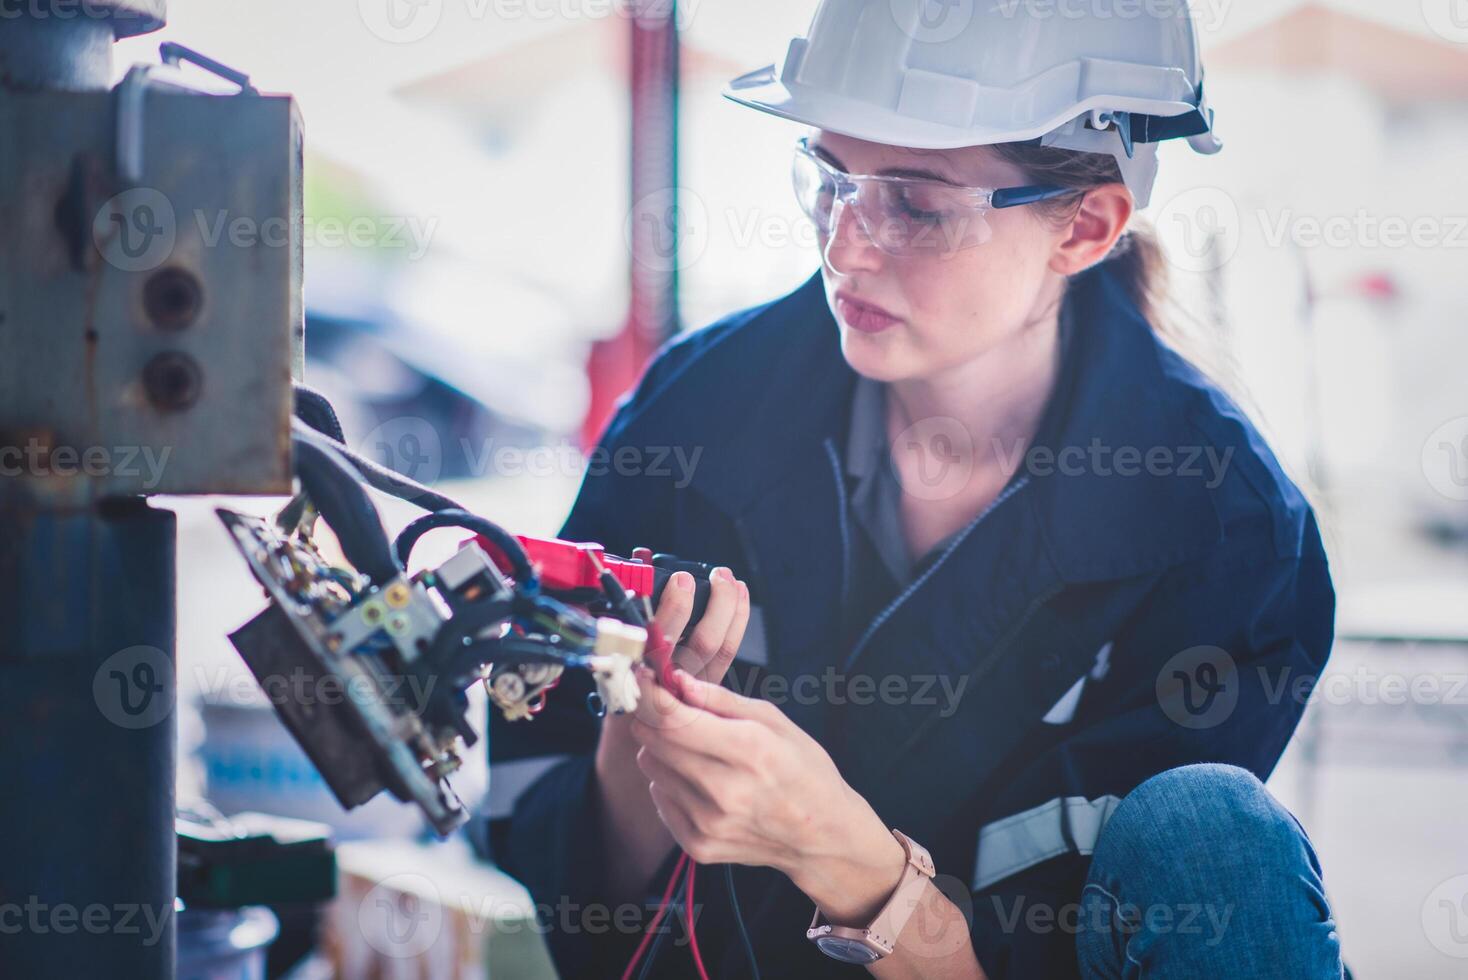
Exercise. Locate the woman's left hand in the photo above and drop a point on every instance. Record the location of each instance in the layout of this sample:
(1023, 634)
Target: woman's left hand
(736, 781)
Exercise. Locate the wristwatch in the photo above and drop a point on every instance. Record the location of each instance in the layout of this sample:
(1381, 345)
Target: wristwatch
(868, 945)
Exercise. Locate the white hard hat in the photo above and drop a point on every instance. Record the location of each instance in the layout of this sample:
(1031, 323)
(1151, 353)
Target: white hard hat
(939, 74)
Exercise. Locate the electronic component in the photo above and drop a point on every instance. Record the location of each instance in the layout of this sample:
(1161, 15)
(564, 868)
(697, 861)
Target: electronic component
(370, 677)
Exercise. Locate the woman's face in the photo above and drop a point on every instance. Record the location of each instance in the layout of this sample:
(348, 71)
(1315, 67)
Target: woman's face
(943, 306)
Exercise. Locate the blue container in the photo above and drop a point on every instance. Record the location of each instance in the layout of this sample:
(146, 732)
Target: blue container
(224, 944)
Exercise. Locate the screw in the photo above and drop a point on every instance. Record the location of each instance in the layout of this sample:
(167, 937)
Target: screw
(172, 298)
(173, 381)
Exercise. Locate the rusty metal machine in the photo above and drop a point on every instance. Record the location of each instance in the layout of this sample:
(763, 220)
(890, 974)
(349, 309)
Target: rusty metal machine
(138, 356)
(143, 353)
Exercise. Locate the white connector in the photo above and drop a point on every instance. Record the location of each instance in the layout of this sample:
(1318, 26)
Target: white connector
(618, 649)
(615, 682)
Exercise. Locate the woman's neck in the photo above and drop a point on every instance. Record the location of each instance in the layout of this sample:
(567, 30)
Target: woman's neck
(999, 397)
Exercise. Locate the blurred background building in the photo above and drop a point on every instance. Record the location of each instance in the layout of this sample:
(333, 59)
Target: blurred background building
(468, 226)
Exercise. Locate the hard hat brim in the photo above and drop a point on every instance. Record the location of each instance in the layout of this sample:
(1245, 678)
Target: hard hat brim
(763, 89)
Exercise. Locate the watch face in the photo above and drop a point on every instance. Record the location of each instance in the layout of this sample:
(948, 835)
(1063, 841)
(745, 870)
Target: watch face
(846, 950)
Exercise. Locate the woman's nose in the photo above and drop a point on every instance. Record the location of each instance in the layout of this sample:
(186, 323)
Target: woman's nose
(848, 246)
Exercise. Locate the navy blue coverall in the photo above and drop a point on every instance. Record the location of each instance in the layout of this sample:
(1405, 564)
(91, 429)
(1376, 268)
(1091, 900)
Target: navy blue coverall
(1149, 591)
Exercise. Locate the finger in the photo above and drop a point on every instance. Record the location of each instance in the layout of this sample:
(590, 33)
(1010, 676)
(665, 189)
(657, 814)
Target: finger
(719, 700)
(670, 810)
(705, 641)
(729, 649)
(675, 605)
(661, 771)
(718, 739)
(689, 758)
(657, 706)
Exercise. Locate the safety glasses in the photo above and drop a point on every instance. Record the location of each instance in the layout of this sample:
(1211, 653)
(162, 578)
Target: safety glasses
(905, 216)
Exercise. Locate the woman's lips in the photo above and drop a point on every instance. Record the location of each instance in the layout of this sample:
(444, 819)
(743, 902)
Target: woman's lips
(864, 316)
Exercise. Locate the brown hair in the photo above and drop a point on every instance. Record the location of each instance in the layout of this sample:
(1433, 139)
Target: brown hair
(1138, 256)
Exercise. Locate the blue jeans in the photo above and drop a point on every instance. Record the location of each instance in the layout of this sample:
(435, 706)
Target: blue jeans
(1200, 873)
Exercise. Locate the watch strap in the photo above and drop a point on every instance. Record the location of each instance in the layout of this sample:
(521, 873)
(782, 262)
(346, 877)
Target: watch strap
(881, 935)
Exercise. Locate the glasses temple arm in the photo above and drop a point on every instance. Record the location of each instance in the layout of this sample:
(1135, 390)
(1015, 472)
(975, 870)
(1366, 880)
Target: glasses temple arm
(1013, 197)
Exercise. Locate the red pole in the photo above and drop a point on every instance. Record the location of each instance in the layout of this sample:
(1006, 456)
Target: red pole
(652, 316)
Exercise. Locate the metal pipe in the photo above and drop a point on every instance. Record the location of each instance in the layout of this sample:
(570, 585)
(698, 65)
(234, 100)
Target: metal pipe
(88, 851)
(67, 46)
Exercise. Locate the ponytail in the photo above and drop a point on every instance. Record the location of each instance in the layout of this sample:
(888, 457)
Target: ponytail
(1139, 263)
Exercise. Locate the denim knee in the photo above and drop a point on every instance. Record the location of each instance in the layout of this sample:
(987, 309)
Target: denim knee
(1183, 810)
(1194, 873)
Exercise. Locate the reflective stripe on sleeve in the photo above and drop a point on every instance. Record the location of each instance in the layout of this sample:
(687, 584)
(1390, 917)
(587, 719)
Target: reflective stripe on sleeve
(1021, 841)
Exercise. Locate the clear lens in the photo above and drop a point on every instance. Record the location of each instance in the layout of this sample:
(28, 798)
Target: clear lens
(908, 217)
(901, 216)
(815, 191)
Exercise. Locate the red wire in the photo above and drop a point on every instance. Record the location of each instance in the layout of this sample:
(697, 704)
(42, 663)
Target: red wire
(660, 653)
(693, 933)
(653, 925)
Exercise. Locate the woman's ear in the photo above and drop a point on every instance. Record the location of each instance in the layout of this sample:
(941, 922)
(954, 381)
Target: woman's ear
(1101, 220)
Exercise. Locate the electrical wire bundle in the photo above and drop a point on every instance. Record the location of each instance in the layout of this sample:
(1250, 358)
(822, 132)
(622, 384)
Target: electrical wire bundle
(332, 480)
(680, 891)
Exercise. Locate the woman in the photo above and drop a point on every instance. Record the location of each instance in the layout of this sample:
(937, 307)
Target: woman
(1030, 587)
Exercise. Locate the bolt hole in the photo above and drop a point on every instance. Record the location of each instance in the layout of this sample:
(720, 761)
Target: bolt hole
(173, 381)
(172, 298)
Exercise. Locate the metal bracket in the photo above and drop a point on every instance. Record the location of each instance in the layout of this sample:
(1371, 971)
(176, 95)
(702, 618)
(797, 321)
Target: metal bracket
(131, 97)
(173, 53)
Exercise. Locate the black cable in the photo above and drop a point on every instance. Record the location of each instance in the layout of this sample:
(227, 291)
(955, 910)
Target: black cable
(508, 544)
(315, 411)
(674, 905)
(290, 515)
(739, 921)
(313, 408)
(343, 503)
(728, 682)
(380, 477)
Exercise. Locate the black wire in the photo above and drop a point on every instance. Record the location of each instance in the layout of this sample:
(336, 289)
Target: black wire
(507, 543)
(343, 503)
(739, 921)
(674, 903)
(313, 408)
(728, 682)
(380, 477)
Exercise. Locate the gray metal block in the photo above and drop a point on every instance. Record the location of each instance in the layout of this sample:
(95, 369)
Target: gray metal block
(149, 333)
